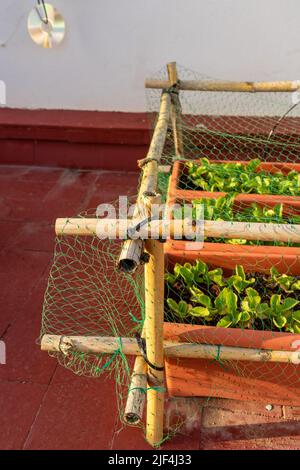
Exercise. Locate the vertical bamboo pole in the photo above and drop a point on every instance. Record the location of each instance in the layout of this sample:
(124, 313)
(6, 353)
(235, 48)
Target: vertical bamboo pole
(175, 110)
(154, 305)
(132, 249)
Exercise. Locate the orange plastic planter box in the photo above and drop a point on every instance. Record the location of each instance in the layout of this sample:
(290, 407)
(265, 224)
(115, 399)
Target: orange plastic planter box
(175, 193)
(275, 383)
(227, 255)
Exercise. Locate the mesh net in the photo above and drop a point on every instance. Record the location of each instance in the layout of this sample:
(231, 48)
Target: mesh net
(240, 162)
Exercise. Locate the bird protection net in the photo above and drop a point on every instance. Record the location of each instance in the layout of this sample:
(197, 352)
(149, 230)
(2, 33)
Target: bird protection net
(239, 162)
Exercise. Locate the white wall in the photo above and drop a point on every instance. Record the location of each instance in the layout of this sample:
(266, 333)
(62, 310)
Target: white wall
(112, 45)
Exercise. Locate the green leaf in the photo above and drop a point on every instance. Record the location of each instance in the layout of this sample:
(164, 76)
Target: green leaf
(199, 312)
(262, 310)
(245, 316)
(237, 241)
(275, 302)
(231, 301)
(177, 268)
(279, 321)
(253, 165)
(296, 285)
(254, 297)
(245, 305)
(199, 297)
(225, 322)
(173, 305)
(236, 316)
(205, 300)
(220, 302)
(181, 308)
(201, 267)
(296, 316)
(284, 281)
(274, 273)
(296, 328)
(239, 270)
(196, 293)
(289, 303)
(216, 275)
(187, 275)
(170, 278)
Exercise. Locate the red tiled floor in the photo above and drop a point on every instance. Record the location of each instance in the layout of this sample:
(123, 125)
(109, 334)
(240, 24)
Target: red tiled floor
(79, 414)
(241, 426)
(186, 438)
(109, 193)
(20, 271)
(19, 404)
(24, 359)
(44, 406)
(8, 232)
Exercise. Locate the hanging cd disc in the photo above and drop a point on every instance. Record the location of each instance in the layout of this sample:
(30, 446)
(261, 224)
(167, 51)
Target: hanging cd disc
(46, 26)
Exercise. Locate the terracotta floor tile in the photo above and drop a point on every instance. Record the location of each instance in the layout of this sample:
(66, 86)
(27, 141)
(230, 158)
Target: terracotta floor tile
(233, 429)
(20, 272)
(24, 359)
(8, 232)
(19, 404)
(78, 415)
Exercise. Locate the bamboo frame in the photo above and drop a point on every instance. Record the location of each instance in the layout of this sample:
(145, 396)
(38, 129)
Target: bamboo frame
(154, 320)
(129, 259)
(175, 111)
(132, 250)
(172, 349)
(110, 228)
(137, 391)
(219, 85)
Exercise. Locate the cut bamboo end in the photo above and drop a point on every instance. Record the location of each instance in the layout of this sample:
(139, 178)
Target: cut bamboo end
(172, 73)
(109, 345)
(219, 85)
(130, 256)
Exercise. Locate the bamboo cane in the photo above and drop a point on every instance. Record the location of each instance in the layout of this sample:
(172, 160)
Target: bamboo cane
(175, 111)
(132, 249)
(154, 318)
(219, 85)
(172, 349)
(137, 392)
(112, 228)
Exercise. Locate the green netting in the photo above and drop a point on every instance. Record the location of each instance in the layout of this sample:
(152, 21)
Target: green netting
(241, 163)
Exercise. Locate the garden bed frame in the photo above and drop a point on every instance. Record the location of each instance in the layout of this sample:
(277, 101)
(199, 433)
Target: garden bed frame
(150, 376)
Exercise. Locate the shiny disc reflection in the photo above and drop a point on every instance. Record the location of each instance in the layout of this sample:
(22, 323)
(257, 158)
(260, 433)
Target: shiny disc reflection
(46, 35)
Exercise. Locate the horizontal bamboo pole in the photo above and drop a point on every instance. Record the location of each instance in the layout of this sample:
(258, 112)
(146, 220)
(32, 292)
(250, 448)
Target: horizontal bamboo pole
(219, 85)
(108, 345)
(110, 228)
